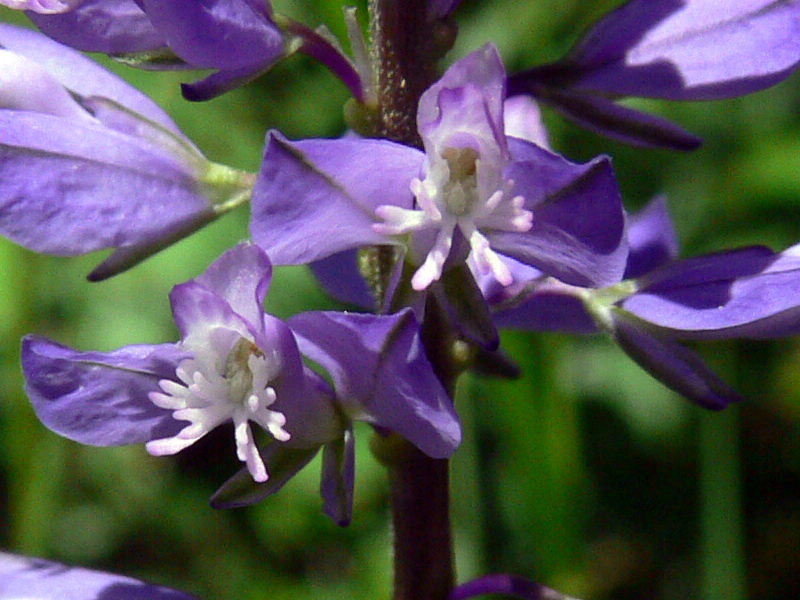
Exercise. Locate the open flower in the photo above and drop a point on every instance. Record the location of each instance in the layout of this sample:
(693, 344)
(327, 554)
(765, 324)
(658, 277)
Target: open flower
(687, 50)
(236, 364)
(750, 293)
(472, 192)
(87, 162)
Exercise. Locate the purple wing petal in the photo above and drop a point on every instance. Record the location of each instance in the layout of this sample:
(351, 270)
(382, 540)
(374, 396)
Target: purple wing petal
(98, 398)
(80, 74)
(316, 198)
(38, 579)
(578, 220)
(388, 382)
(220, 82)
(751, 292)
(218, 34)
(70, 188)
(685, 49)
(673, 365)
(109, 26)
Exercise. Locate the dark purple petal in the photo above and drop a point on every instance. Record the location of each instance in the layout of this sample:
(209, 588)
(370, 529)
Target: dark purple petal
(282, 464)
(217, 34)
(578, 220)
(79, 74)
(751, 292)
(38, 579)
(677, 367)
(338, 478)
(602, 116)
(685, 49)
(438, 9)
(100, 398)
(388, 382)
(220, 82)
(70, 188)
(508, 585)
(109, 26)
(547, 308)
(651, 238)
(316, 198)
(340, 276)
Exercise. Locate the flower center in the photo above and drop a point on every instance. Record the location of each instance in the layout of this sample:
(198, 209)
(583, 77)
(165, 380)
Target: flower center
(460, 191)
(220, 386)
(451, 196)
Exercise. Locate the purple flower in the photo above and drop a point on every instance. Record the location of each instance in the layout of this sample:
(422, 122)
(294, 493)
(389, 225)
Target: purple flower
(88, 162)
(678, 50)
(472, 192)
(746, 293)
(42, 6)
(508, 585)
(39, 579)
(235, 363)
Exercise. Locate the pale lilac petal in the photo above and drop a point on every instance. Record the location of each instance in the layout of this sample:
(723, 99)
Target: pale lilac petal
(523, 120)
(80, 74)
(219, 34)
(468, 102)
(578, 220)
(109, 26)
(241, 276)
(42, 6)
(99, 398)
(25, 578)
(389, 381)
(69, 188)
(315, 198)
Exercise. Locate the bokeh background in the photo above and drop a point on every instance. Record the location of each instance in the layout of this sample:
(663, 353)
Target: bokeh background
(584, 474)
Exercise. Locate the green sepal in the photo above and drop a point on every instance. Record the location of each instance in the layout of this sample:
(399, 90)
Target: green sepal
(282, 464)
(160, 59)
(462, 299)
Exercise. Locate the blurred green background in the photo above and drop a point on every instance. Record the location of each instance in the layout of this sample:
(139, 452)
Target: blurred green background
(585, 474)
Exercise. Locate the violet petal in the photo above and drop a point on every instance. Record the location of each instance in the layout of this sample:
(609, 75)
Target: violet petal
(316, 198)
(389, 381)
(109, 26)
(578, 220)
(100, 398)
(39, 579)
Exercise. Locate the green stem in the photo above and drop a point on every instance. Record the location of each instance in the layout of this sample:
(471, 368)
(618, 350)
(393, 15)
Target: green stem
(721, 507)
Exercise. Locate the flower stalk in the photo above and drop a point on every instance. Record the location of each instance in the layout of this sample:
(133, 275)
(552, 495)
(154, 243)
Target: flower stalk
(419, 485)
